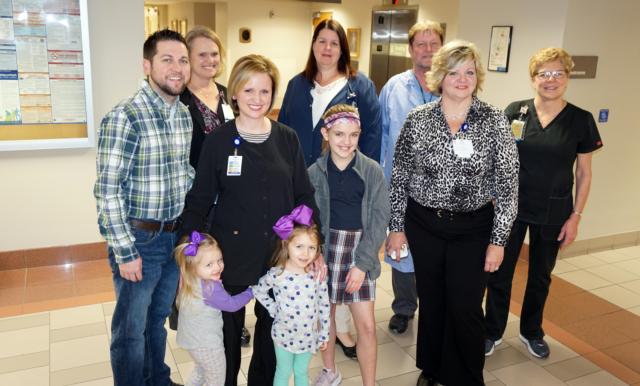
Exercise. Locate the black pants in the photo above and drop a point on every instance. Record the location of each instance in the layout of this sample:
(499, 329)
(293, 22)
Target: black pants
(543, 250)
(405, 297)
(263, 360)
(448, 254)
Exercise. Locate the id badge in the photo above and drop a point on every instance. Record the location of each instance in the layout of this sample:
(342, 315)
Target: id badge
(234, 165)
(463, 148)
(227, 111)
(517, 127)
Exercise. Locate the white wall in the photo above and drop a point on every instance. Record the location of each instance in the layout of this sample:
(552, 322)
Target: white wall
(46, 197)
(583, 27)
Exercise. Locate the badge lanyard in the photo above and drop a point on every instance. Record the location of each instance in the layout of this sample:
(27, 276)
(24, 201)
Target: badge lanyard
(518, 125)
(234, 163)
(227, 111)
(424, 99)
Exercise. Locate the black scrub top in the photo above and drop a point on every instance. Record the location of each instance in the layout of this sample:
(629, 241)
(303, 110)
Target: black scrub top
(547, 157)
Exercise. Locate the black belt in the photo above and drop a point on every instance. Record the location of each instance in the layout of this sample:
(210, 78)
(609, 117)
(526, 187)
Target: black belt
(444, 213)
(154, 226)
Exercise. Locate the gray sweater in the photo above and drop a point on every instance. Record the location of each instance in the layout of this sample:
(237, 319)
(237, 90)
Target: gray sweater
(375, 209)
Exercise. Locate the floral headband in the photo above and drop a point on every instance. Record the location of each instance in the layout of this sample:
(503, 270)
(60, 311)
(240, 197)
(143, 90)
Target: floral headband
(299, 215)
(195, 240)
(334, 119)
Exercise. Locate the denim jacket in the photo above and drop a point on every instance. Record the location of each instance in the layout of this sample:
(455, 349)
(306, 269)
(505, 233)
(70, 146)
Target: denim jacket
(375, 209)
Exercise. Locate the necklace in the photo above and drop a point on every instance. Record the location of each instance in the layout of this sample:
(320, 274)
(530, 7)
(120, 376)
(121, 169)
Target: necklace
(455, 117)
(449, 116)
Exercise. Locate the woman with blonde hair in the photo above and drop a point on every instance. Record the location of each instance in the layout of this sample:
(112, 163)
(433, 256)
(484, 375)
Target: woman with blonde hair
(552, 135)
(453, 199)
(205, 98)
(254, 169)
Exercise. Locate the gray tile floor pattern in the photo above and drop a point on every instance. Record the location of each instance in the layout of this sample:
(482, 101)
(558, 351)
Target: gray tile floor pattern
(71, 347)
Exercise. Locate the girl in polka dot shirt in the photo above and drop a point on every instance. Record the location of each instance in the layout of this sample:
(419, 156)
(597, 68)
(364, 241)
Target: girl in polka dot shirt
(301, 306)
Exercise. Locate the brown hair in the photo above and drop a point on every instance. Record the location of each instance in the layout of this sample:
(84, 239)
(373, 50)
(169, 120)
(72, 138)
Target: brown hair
(281, 254)
(150, 47)
(245, 68)
(188, 265)
(344, 63)
(547, 55)
(449, 56)
(200, 31)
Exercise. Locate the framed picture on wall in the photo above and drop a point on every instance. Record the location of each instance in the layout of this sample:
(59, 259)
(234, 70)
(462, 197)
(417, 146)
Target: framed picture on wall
(500, 48)
(45, 76)
(353, 38)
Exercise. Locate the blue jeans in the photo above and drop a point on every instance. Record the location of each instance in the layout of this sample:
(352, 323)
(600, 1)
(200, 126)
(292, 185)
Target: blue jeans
(288, 362)
(138, 336)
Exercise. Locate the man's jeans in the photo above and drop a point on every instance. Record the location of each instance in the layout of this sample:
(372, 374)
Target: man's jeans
(138, 336)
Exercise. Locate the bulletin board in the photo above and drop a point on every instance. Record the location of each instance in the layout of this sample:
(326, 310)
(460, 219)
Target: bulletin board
(45, 75)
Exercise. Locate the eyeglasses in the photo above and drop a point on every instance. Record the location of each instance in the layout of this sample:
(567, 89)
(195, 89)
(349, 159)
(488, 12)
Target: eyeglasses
(547, 75)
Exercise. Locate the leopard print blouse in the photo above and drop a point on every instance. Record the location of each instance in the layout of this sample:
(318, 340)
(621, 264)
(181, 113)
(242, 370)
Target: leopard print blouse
(426, 168)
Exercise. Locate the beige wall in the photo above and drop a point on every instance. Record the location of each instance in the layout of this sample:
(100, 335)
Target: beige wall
(583, 27)
(610, 30)
(440, 11)
(204, 14)
(283, 38)
(46, 197)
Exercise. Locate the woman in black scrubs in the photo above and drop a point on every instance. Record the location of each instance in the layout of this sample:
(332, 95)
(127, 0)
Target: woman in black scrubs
(253, 168)
(552, 135)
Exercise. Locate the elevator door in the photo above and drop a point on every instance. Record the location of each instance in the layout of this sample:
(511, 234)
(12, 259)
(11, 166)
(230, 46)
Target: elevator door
(390, 43)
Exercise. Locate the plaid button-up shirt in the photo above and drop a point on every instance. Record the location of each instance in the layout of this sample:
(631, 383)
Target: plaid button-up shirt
(143, 169)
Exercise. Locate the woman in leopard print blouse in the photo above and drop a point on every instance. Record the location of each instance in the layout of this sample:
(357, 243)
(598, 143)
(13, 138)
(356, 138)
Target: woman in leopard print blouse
(454, 190)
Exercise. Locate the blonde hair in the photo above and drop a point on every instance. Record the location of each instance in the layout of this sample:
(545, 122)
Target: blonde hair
(281, 254)
(245, 68)
(547, 55)
(200, 31)
(449, 56)
(424, 26)
(339, 108)
(189, 264)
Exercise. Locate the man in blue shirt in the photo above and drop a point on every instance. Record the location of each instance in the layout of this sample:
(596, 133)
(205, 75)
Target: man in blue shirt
(400, 95)
(143, 175)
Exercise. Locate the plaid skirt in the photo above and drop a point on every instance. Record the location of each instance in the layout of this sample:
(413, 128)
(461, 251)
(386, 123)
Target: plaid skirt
(341, 253)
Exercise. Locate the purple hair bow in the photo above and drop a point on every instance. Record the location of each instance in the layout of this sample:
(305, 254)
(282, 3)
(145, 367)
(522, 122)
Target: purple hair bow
(194, 241)
(299, 215)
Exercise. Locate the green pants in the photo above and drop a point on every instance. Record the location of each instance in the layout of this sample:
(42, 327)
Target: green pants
(286, 362)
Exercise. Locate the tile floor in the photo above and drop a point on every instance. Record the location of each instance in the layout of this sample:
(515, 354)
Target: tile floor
(54, 329)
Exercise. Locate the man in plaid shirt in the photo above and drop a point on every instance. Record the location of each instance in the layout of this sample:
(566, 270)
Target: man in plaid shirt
(143, 175)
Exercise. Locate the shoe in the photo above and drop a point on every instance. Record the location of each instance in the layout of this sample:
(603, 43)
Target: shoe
(424, 380)
(328, 378)
(537, 347)
(399, 323)
(245, 339)
(490, 346)
(349, 351)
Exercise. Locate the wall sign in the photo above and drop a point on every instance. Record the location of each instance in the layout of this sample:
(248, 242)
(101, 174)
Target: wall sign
(45, 76)
(585, 67)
